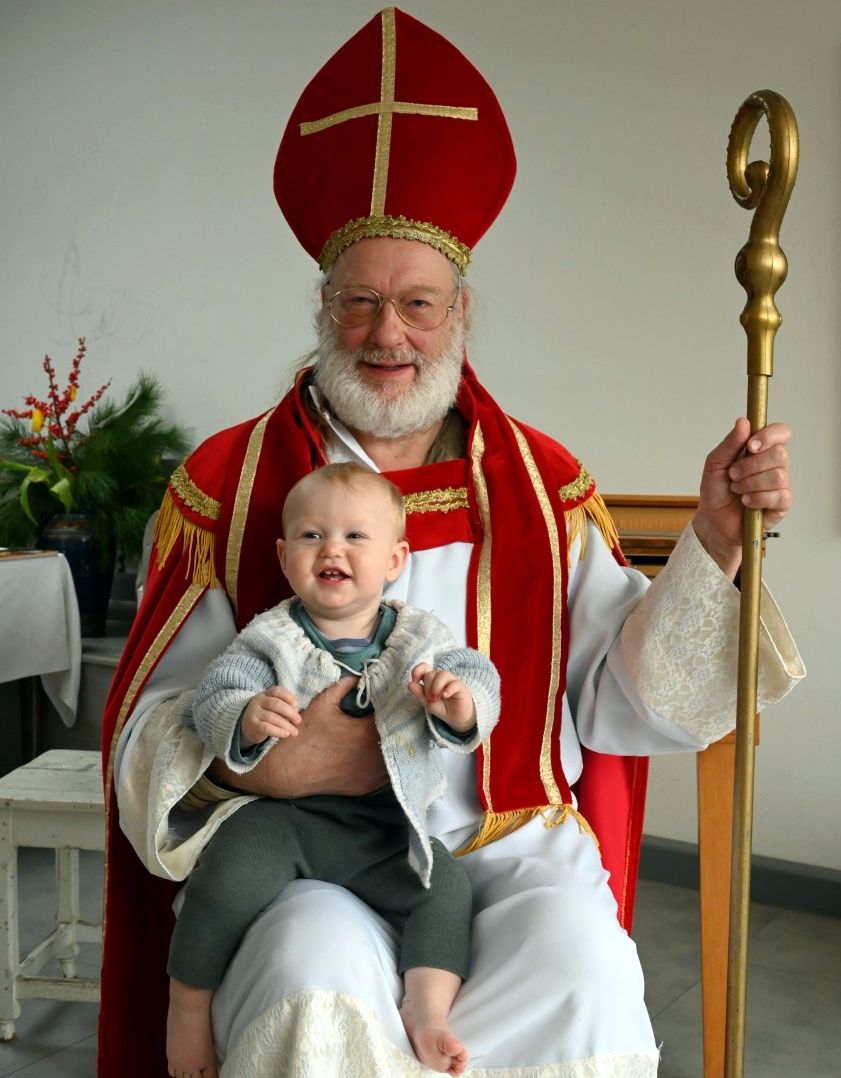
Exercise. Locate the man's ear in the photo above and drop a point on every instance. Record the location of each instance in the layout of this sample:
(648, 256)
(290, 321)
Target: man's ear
(464, 305)
(281, 554)
(397, 561)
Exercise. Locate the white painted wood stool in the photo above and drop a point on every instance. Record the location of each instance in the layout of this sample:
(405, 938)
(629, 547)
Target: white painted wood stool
(53, 802)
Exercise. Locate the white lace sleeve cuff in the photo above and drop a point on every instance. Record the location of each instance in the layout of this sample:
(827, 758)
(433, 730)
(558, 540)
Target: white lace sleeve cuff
(166, 762)
(680, 645)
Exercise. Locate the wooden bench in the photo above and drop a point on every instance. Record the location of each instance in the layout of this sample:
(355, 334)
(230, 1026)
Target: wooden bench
(53, 802)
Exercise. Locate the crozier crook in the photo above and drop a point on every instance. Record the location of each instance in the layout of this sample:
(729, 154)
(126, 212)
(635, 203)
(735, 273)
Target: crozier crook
(760, 268)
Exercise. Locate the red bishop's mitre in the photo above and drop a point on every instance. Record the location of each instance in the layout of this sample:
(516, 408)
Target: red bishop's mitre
(397, 135)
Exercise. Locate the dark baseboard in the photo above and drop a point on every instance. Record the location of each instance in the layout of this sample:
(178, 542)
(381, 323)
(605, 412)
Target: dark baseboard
(774, 882)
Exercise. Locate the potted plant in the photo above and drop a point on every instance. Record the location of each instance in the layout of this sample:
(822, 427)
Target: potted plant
(84, 478)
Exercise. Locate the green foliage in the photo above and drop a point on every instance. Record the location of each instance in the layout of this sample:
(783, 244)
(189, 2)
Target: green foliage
(114, 470)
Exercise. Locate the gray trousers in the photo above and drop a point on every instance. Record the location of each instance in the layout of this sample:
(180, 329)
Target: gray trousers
(360, 843)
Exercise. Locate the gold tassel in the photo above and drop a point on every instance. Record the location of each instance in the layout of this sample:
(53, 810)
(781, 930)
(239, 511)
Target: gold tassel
(199, 543)
(576, 525)
(167, 527)
(599, 513)
(555, 815)
(497, 825)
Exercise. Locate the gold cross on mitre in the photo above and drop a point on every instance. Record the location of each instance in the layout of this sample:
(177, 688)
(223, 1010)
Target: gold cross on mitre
(384, 109)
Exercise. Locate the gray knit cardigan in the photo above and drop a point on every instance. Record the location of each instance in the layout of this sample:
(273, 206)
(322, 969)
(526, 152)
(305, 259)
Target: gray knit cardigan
(274, 650)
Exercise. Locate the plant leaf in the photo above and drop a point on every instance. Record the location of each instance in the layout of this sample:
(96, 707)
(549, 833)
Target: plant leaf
(36, 475)
(64, 492)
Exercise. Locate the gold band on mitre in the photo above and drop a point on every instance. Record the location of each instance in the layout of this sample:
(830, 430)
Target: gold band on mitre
(400, 228)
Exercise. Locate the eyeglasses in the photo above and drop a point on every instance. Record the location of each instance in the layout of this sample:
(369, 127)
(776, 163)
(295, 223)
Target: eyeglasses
(357, 306)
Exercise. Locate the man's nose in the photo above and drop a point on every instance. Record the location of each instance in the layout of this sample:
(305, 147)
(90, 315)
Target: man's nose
(388, 329)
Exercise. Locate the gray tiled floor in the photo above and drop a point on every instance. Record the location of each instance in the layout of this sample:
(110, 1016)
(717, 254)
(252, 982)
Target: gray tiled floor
(794, 1001)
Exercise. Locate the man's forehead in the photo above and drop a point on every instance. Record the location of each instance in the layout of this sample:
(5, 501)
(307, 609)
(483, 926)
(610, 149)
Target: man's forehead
(408, 262)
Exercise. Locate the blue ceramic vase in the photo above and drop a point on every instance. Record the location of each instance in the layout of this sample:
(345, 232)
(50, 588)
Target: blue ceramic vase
(91, 567)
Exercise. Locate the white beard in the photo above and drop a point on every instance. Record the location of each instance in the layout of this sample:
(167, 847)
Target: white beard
(360, 406)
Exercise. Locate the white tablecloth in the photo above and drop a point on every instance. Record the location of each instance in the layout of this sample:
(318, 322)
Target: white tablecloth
(39, 627)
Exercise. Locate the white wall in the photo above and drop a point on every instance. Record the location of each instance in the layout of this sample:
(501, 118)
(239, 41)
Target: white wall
(136, 151)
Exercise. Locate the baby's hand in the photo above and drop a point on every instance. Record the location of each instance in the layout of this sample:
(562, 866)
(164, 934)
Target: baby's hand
(273, 713)
(442, 694)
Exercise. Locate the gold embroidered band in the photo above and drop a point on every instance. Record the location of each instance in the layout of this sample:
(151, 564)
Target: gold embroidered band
(192, 497)
(440, 500)
(578, 487)
(400, 228)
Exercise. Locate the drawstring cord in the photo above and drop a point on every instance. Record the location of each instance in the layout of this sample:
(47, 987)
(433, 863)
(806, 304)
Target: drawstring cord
(363, 689)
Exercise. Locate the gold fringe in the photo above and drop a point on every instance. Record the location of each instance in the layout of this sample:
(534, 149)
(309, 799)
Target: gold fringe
(555, 815)
(576, 519)
(497, 825)
(599, 513)
(576, 523)
(199, 543)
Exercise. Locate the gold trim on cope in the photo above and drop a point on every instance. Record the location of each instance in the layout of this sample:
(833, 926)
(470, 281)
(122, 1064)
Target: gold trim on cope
(400, 228)
(169, 629)
(192, 496)
(553, 794)
(243, 496)
(440, 500)
(483, 585)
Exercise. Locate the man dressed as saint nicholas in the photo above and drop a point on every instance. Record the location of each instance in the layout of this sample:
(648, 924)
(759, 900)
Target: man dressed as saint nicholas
(395, 161)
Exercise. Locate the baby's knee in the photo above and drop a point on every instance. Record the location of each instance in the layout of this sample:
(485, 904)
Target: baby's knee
(319, 935)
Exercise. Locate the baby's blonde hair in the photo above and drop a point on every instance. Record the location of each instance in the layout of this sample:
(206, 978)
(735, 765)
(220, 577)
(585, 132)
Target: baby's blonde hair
(350, 474)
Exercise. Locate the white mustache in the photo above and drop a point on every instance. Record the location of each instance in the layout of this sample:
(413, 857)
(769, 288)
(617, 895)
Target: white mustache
(383, 357)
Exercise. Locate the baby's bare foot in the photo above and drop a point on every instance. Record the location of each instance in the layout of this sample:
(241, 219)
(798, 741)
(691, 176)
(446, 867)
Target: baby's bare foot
(189, 1034)
(432, 1039)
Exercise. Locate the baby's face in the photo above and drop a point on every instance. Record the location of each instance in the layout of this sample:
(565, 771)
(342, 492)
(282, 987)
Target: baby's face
(340, 548)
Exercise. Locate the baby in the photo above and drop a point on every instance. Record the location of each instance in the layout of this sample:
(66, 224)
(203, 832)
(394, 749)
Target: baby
(344, 530)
